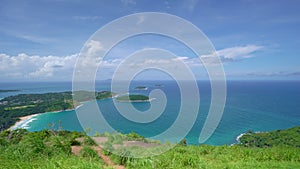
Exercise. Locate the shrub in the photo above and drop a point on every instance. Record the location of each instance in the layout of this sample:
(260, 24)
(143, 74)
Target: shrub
(88, 152)
(107, 148)
(89, 141)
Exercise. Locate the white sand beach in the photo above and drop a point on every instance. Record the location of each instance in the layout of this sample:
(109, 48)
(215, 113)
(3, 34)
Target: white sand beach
(23, 121)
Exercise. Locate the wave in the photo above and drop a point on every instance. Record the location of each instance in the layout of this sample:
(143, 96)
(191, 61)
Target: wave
(24, 124)
(239, 137)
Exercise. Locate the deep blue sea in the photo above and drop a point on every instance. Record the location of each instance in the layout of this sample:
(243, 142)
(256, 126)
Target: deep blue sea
(251, 105)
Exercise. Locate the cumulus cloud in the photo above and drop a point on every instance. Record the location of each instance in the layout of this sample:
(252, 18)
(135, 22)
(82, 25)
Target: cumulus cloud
(33, 67)
(94, 47)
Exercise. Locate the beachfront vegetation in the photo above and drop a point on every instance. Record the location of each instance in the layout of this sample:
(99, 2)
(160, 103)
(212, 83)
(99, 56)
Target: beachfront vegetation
(52, 149)
(289, 137)
(13, 107)
(133, 98)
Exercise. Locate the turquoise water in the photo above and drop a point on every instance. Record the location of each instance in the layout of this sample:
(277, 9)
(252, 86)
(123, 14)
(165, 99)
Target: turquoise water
(251, 105)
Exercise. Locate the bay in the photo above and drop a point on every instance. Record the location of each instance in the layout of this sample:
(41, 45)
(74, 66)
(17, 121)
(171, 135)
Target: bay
(250, 105)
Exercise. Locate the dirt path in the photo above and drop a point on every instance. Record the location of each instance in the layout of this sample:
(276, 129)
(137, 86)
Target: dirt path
(106, 159)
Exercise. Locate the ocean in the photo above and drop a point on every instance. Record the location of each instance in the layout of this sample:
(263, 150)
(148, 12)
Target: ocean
(250, 105)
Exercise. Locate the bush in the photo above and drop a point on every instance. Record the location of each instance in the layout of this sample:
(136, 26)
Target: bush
(88, 152)
(134, 136)
(124, 156)
(3, 142)
(57, 144)
(89, 141)
(107, 148)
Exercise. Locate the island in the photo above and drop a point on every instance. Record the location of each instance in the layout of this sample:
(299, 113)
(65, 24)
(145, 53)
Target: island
(158, 85)
(2, 91)
(133, 98)
(141, 88)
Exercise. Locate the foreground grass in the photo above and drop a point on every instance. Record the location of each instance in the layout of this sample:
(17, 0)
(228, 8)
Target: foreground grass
(58, 161)
(50, 149)
(221, 157)
(45, 149)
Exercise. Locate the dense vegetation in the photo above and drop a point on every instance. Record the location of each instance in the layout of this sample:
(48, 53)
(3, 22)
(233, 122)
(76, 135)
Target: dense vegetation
(104, 95)
(45, 149)
(289, 137)
(52, 149)
(13, 107)
(133, 98)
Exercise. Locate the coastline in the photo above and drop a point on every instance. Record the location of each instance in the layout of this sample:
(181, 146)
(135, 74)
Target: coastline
(242, 134)
(239, 137)
(23, 121)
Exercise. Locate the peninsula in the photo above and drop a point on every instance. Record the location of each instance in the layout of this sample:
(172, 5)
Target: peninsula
(12, 108)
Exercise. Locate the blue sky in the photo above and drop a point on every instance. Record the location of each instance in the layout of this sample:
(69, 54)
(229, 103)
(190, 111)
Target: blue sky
(255, 39)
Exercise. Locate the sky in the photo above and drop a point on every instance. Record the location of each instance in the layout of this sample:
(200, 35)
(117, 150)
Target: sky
(255, 40)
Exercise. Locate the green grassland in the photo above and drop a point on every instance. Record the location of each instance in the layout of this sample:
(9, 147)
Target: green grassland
(52, 149)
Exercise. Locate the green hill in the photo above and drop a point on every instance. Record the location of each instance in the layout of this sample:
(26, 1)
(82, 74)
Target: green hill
(289, 137)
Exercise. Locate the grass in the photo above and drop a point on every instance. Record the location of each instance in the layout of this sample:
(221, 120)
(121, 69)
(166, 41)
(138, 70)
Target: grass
(52, 149)
(205, 156)
(45, 149)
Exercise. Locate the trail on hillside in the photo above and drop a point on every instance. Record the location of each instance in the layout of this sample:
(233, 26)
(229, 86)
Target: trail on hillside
(106, 159)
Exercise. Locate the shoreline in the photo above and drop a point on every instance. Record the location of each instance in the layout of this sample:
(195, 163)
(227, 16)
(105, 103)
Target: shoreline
(239, 137)
(23, 120)
(242, 134)
(26, 119)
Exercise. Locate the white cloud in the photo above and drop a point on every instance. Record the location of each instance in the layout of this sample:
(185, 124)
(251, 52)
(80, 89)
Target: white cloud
(36, 39)
(234, 53)
(34, 67)
(94, 47)
(26, 67)
(239, 52)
